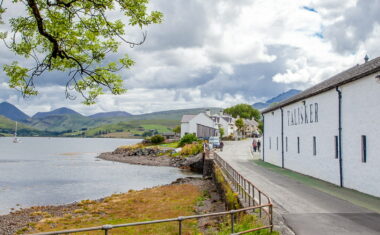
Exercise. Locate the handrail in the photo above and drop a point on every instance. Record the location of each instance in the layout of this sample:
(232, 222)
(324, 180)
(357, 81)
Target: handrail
(243, 186)
(246, 189)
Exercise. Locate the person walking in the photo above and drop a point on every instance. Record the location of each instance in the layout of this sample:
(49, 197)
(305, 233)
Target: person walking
(254, 144)
(221, 145)
(258, 145)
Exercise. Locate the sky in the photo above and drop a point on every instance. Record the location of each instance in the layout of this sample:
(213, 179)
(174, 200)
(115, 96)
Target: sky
(218, 53)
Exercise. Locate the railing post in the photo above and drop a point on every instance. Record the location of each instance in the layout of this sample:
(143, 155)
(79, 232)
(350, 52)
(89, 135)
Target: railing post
(253, 195)
(180, 225)
(106, 228)
(249, 194)
(271, 217)
(260, 202)
(232, 221)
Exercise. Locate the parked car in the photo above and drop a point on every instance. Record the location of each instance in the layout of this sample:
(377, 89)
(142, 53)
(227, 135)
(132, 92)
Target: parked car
(215, 141)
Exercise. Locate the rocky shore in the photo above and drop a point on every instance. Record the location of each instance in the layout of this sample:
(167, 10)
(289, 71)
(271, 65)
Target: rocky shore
(154, 157)
(23, 220)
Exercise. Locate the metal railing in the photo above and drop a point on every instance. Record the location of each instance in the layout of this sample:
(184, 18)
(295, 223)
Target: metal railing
(248, 192)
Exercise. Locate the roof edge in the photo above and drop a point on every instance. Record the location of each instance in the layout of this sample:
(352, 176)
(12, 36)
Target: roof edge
(302, 97)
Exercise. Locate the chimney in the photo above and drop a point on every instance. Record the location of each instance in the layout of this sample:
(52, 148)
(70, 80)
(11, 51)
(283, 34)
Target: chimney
(208, 112)
(366, 58)
(221, 113)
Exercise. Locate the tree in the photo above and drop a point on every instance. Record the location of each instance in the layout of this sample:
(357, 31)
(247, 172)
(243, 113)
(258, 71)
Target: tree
(74, 36)
(239, 123)
(221, 131)
(157, 139)
(177, 129)
(243, 111)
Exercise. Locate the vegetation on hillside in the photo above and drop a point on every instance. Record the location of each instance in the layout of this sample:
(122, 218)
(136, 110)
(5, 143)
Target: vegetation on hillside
(244, 111)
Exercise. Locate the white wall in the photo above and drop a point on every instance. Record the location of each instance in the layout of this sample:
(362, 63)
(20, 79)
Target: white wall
(360, 116)
(202, 119)
(184, 128)
(272, 130)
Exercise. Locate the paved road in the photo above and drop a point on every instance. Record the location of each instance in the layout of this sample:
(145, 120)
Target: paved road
(305, 210)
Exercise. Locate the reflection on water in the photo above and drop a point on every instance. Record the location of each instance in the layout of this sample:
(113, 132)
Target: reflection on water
(44, 171)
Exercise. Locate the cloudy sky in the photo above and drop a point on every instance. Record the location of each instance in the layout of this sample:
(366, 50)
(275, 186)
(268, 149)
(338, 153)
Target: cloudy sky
(223, 52)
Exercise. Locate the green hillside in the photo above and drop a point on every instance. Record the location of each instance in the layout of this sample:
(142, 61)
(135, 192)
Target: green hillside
(133, 128)
(7, 128)
(65, 122)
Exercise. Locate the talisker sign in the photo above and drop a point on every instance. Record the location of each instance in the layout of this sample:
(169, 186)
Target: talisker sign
(304, 114)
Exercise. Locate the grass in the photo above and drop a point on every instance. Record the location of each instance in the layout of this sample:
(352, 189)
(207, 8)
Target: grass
(353, 196)
(170, 145)
(149, 204)
(243, 223)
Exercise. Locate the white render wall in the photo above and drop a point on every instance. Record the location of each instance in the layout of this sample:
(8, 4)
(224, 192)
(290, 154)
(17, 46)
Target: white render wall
(191, 126)
(360, 116)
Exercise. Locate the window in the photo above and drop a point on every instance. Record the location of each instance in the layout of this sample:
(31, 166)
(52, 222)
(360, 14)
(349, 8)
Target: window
(270, 143)
(298, 144)
(364, 148)
(277, 142)
(286, 143)
(336, 147)
(314, 146)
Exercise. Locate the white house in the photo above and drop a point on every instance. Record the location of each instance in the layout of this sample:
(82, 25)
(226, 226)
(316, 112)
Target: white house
(330, 131)
(201, 125)
(226, 122)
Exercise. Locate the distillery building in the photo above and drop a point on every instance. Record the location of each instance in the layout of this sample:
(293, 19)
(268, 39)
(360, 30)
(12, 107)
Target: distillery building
(330, 131)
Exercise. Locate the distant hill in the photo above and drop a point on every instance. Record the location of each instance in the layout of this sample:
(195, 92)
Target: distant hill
(110, 114)
(7, 128)
(10, 111)
(279, 98)
(59, 111)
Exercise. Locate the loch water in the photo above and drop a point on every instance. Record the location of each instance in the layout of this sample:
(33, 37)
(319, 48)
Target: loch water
(51, 171)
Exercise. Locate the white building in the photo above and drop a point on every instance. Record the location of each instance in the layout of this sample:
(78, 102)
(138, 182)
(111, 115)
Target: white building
(330, 131)
(201, 125)
(226, 122)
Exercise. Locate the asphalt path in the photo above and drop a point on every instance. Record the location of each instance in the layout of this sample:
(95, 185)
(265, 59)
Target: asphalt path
(304, 209)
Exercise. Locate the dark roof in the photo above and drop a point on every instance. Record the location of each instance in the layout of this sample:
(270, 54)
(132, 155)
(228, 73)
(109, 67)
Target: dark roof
(352, 74)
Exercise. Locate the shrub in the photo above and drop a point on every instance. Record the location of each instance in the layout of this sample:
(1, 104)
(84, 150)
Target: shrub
(187, 139)
(191, 149)
(157, 139)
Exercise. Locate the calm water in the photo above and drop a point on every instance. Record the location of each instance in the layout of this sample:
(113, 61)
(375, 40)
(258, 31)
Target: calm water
(47, 171)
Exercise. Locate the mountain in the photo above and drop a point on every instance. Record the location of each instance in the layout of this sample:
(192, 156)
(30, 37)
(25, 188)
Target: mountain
(60, 111)
(277, 99)
(10, 111)
(110, 114)
(7, 128)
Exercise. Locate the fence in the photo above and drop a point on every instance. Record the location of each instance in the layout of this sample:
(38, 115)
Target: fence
(248, 192)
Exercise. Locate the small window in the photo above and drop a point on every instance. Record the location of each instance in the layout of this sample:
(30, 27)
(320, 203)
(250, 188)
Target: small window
(298, 145)
(364, 148)
(277, 142)
(314, 146)
(286, 143)
(336, 147)
(270, 143)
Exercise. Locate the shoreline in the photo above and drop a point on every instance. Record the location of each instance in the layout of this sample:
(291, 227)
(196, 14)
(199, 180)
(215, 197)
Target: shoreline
(27, 217)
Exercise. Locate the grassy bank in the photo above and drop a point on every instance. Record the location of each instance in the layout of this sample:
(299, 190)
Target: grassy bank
(149, 204)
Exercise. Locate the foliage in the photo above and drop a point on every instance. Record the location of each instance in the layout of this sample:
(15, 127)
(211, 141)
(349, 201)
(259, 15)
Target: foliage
(231, 198)
(245, 222)
(157, 139)
(244, 111)
(74, 36)
(221, 131)
(239, 123)
(177, 129)
(191, 149)
(187, 139)
(261, 126)
(134, 206)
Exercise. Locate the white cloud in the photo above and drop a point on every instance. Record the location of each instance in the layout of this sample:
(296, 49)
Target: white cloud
(222, 52)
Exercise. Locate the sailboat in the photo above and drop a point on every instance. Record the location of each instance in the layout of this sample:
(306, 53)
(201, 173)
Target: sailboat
(16, 140)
